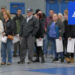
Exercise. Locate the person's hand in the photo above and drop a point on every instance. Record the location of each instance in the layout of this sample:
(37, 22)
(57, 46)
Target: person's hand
(17, 35)
(3, 34)
(60, 38)
(45, 29)
(69, 38)
(20, 37)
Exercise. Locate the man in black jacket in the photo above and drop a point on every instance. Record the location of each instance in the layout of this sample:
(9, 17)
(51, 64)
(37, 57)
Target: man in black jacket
(18, 21)
(29, 29)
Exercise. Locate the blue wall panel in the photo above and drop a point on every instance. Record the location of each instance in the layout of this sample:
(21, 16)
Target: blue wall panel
(56, 6)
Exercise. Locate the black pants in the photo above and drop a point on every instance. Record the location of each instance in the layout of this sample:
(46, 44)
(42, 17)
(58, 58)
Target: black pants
(39, 52)
(65, 46)
(16, 47)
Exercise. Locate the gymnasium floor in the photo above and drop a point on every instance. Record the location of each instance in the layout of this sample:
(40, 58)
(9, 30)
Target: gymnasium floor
(47, 68)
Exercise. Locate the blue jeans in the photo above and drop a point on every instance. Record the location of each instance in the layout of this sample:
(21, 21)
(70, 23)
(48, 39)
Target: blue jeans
(60, 55)
(6, 49)
(53, 47)
(45, 42)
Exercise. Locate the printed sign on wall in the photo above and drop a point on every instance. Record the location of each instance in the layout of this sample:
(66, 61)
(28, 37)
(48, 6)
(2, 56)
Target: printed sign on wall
(71, 13)
(15, 6)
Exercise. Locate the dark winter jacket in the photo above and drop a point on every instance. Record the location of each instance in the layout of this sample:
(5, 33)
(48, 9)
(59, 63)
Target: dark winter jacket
(67, 29)
(18, 22)
(72, 31)
(29, 28)
(8, 27)
(40, 33)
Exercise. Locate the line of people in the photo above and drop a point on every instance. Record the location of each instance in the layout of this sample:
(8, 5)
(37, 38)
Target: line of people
(35, 34)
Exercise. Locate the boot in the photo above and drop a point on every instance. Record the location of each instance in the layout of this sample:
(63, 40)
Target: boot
(67, 59)
(72, 60)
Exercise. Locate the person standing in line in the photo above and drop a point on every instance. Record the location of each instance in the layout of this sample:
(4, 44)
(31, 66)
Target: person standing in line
(18, 21)
(69, 36)
(29, 29)
(39, 36)
(3, 9)
(66, 34)
(6, 47)
(46, 38)
(1, 30)
(55, 31)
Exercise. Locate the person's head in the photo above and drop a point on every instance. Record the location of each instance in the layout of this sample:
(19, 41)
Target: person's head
(40, 12)
(29, 12)
(19, 12)
(55, 17)
(66, 14)
(51, 12)
(3, 9)
(6, 15)
(37, 10)
(60, 16)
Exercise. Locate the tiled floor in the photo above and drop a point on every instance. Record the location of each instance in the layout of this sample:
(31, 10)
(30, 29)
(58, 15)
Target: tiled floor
(38, 69)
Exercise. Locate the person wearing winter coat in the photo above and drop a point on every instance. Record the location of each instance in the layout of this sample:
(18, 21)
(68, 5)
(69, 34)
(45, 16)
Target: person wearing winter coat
(39, 36)
(6, 47)
(18, 22)
(1, 30)
(55, 31)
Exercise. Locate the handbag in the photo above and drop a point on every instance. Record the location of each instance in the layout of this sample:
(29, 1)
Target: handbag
(10, 37)
(59, 46)
(39, 43)
(70, 46)
(4, 39)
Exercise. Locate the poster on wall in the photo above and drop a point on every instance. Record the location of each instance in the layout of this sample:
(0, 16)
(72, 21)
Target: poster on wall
(15, 6)
(71, 14)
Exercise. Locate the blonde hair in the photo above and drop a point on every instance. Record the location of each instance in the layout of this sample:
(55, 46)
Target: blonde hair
(8, 14)
(66, 12)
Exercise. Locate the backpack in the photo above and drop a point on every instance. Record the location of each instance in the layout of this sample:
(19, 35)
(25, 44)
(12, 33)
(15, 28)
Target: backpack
(53, 31)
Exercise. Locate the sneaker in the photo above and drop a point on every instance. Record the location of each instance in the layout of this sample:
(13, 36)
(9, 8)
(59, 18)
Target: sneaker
(21, 62)
(37, 60)
(72, 60)
(8, 63)
(30, 61)
(55, 59)
(3, 63)
(68, 60)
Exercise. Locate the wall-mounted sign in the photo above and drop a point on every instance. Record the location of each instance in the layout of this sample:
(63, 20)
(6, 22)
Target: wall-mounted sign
(15, 6)
(71, 13)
